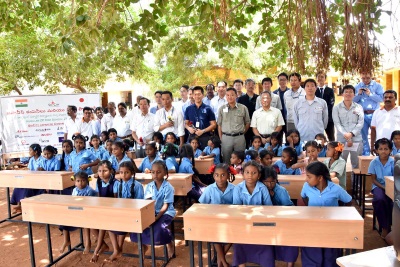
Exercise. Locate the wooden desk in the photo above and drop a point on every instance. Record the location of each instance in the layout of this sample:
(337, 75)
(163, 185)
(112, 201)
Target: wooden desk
(182, 182)
(382, 257)
(275, 159)
(202, 165)
(389, 186)
(363, 163)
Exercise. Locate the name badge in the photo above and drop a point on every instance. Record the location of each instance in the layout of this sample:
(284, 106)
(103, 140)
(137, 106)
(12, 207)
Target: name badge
(225, 110)
(197, 124)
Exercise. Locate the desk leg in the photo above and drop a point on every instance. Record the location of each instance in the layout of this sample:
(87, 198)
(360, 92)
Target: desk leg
(153, 256)
(200, 252)
(139, 237)
(49, 245)
(8, 202)
(31, 248)
(191, 253)
(363, 182)
(209, 254)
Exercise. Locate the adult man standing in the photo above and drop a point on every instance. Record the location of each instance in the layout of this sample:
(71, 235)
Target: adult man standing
(99, 115)
(184, 97)
(310, 113)
(369, 94)
(220, 99)
(122, 122)
(190, 102)
(210, 88)
(87, 126)
(282, 80)
(169, 118)
(348, 117)
(200, 118)
(238, 85)
(142, 127)
(157, 98)
(249, 100)
(71, 124)
(267, 119)
(291, 96)
(386, 119)
(233, 122)
(267, 85)
(327, 94)
(107, 120)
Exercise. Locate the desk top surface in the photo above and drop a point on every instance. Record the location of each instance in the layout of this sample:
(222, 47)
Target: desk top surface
(170, 176)
(41, 173)
(390, 178)
(382, 257)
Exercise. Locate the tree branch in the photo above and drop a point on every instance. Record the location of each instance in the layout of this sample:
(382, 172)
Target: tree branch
(15, 88)
(99, 16)
(76, 85)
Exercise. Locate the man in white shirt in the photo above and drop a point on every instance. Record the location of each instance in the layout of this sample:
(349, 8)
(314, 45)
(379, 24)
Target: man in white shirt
(266, 86)
(291, 96)
(210, 88)
(87, 126)
(169, 118)
(71, 124)
(142, 127)
(122, 122)
(107, 120)
(97, 122)
(190, 102)
(220, 99)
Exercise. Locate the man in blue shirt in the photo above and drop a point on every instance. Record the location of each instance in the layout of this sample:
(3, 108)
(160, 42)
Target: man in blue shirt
(369, 94)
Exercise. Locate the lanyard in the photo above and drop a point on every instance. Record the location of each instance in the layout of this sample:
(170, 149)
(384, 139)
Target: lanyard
(165, 114)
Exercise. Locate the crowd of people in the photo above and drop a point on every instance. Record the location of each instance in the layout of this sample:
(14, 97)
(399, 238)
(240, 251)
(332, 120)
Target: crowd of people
(242, 132)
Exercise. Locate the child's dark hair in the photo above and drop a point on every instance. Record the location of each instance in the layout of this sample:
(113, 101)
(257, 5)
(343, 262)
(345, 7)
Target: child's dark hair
(159, 136)
(104, 133)
(313, 143)
(394, 133)
(276, 135)
(128, 143)
(112, 130)
(95, 136)
(269, 172)
(226, 168)
(186, 151)
(51, 149)
(255, 164)
(83, 175)
(195, 138)
(256, 137)
(153, 145)
(108, 165)
(318, 168)
(251, 155)
(383, 141)
(173, 135)
(170, 150)
(266, 152)
(37, 148)
(239, 154)
(321, 135)
(121, 145)
(292, 154)
(337, 146)
(129, 166)
(62, 163)
(80, 137)
(163, 165)
(296, 132)
(216, 141)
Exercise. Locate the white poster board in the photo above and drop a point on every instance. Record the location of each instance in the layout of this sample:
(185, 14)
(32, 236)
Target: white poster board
(38, 119)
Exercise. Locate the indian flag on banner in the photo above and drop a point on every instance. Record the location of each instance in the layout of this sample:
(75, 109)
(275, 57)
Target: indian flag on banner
(21, 103)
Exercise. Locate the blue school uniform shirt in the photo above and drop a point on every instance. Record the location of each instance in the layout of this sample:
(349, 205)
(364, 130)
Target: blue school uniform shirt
(298, 148)
(197, 153)
(277, 150)
(329, 197)
(281, 196)
(87, 191)
(376, 167)
(146, 163)
(186, 166)
(67, 158)
(395, 150)
(114, 162)
(260, 196)
(172, 164)
(163, 195)
(33, 163)
(213, 195)
(285, 170)
(99, 152)
(323, 152)
(106, 155)
(126, 189)
(52, 164)
(83, 157)
(252, 148)
(216, 151)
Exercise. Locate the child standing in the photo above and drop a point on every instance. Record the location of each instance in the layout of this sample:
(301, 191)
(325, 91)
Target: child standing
(212, 150)
(284, 165)
(321, 139)
(96, 148)
(252, 192)
(152, 155)
(266, 157)
(81, 158)
(293, 140)
(395, 138)
(256, 144)
(169, 154)
(275, 144)
(319, 191)
(237, 159)
(335, 164)
(382, 166)
(220, 192)
(195, 145)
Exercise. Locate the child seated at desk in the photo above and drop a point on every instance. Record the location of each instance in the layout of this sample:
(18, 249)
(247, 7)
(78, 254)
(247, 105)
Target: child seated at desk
(113, 135)
(321, 139)
(237, 159)
(212, 150)
(285, 164)
(159, 139)
(194, 142)
(151, 157)
(119, 155)
(274, 145)
(256, 144)
(335, 164)
(50, 161)
(82, 158)
(293, 140)
(95, 147)
(108, 153)
(312, 149)
(266, 157)
(169, 154)
(220, 192)
(395, 138)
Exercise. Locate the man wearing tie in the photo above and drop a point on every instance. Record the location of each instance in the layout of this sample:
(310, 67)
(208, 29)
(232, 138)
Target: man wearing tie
(327, 94)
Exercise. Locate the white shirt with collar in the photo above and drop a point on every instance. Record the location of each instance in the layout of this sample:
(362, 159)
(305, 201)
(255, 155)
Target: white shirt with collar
(87, 129)
(290, 99)
(107, 122)
(162, 116)
(123, 124)
(216, 103)
(275, 102)
(266, 121)
(385, 122)
(143, 125)
(71, 127)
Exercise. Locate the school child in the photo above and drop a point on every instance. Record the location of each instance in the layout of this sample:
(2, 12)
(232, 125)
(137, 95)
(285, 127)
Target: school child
(187, 165)
(162, 192)
(128, 187)
(320, 191)
(395, 138)
(293, 140)
(194, 142)
(266, 157)
(321, 139)
(252, 192)
(103, 138)
(312, 149)
(159, 139)
(119, 155)
(169, 154)
(382, 166)
(220, 192)
(280, 197)
(152, 155)
(284, 165)
(82, 188)
(96, 148)
(82, 158)
(275, 144)
(113, 135)
(335, 163)
(251, 155)
(67, 148)
(108, 153)
(35, 161)
(50, 161)
(256, 144)
(237, 159)
(212, 150)
(170, 137)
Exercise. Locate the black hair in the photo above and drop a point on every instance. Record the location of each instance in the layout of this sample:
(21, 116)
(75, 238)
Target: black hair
(82, 175)
(296, 132)
(313, 143)
(292, 154)
(194, 138)
(266, 152)
(349, 86)
(216, 141)
(390, 91)
(80, 137)
(186, 151)
(170, 150)
(128, 143)
(251, 155)
(318, 168)
(95, 136)
(335, 144)
(99, 108)
(51, 149)
(87, 108)
(225, 167)
(185, 86)
(383, 141)
(256, 137)
(269, 172)
(62, 163)
(73, 108)
(158, 92)
(129, 165)
(295, 74)
(154, 146)
(232, 89)
(267, 79)
(310, 81)
(37, 148)
(121, 145)
(321, 135)
(199, 88)
(163, 165)
(122, 104)
(172, 134)
(283, 74)
(111, 181)
(147, 100)
(239, 154)
(112, 130)
(277, 136)
(394, 133)
(104, 133)
(167, 93)
(255, 164)
(237, 81)
(108, 165)
(159, 136)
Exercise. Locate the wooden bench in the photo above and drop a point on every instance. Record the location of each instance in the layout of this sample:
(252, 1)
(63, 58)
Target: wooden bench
(331, 227)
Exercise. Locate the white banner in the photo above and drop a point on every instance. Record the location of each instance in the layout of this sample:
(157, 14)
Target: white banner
(30, 119)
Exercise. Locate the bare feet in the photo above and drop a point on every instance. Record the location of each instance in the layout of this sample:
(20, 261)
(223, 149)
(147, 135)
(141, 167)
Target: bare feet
(17, 209)
(104, 247)
(171, 250)
(86, 250)
(114, 256)
(95, 257)
(384, 233)
(64, 245)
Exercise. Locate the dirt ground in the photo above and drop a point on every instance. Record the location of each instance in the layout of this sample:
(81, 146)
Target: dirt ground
(15, 248)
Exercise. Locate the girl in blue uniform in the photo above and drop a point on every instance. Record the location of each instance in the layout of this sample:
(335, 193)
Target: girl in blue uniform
(382, 166)
(151, 156)
(50, 161)
(335, 163)
(252, 192)
(35, 152)
(103, 138)
(293, 140)
(108, 150)
(162, 192)
(284, 165)
(169, 154)
(105, 188)
(395, 138)
(320, 191)
(220, 192)
(67, 148)
(280, 197)
(128, 187)
(212, 150)
(275, 144)
(321, 138)
(82, 188)
(170, 137)
(159, 139)
(237, 159)
(252, 155)
(118, 155)
(96, 148)
(195, 145)
(81, 158)
(256, 144)
(266, 157)
(312, 149)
